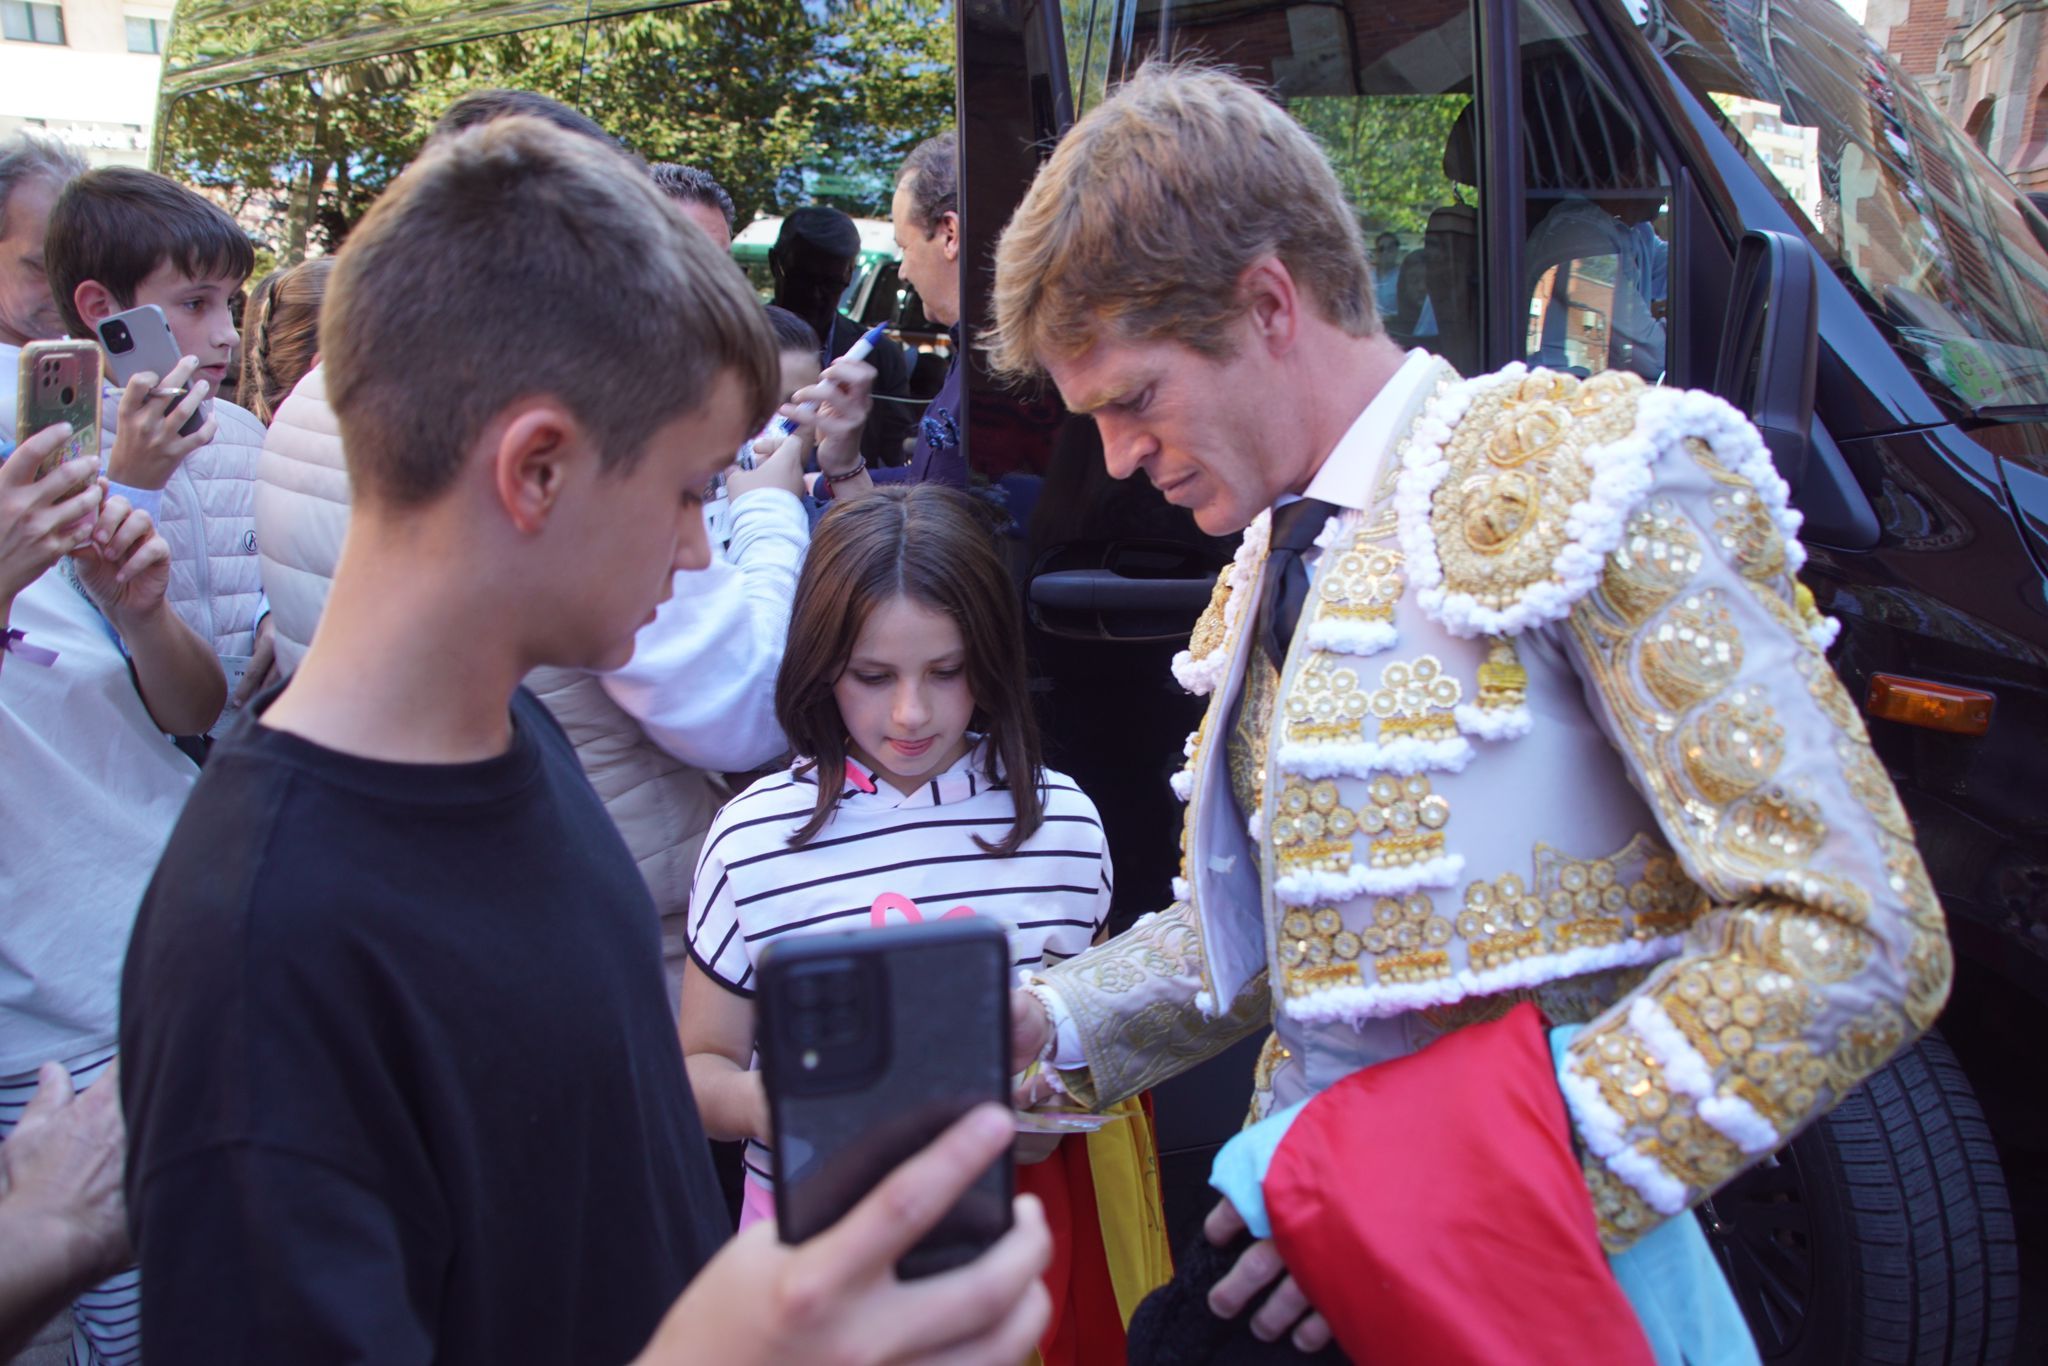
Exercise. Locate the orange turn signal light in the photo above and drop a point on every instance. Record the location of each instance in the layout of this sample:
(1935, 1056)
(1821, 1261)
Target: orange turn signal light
(1936, 706)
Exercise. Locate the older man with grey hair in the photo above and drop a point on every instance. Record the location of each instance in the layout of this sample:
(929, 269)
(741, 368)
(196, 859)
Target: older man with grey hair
(32, 171)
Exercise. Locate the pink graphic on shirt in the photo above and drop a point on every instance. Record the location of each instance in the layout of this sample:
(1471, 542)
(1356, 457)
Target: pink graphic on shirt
(878, 914)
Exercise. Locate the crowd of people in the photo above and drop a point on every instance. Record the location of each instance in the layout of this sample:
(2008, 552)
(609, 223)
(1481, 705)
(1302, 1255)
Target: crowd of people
(407, 765)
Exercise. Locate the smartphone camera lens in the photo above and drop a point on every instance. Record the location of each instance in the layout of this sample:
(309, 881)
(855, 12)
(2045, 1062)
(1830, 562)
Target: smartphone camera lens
(118, 339)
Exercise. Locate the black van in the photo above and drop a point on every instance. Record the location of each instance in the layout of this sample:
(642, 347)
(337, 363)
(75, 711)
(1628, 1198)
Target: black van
(1738, 195)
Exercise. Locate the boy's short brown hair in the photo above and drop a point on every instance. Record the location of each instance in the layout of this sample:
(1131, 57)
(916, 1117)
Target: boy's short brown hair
(117, 224)
(1141, 222)
(516, 259)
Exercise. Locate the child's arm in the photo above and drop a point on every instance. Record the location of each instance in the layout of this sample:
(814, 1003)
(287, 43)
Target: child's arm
(717, 1028)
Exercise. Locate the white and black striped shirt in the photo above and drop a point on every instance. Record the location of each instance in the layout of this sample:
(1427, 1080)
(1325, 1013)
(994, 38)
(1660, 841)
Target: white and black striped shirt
(888, 858)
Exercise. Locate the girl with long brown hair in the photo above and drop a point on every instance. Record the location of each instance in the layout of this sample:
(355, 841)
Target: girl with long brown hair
(917, 793)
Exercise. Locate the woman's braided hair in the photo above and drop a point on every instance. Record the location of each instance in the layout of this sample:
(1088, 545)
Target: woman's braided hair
(281, 334)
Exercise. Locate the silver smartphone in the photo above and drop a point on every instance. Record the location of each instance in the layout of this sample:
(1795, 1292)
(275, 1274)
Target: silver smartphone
(140, 339)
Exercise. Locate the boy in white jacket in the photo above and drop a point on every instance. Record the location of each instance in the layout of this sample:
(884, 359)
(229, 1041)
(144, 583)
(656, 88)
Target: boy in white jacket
(118, 238)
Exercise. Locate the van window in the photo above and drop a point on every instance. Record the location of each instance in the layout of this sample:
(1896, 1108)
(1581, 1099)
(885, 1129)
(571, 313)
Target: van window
(1388, 94)
(1940, 248)
(1596, 255)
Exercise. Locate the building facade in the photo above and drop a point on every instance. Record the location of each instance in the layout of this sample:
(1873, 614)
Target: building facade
(84, 72)
(1984, 63)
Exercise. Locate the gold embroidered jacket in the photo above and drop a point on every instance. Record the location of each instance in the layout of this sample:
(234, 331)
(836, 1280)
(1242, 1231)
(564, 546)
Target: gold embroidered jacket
(1556, 723)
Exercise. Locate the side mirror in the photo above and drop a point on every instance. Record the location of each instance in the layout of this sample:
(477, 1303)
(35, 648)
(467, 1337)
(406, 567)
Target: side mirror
(1770, 348)
(1770, 344)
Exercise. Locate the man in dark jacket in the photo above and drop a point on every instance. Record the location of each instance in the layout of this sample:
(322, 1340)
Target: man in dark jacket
(813, 261)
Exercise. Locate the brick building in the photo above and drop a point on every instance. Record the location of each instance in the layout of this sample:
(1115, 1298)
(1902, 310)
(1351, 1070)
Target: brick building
(1985, 64)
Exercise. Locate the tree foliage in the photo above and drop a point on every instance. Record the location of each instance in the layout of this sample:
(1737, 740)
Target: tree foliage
(1388, 151)
(767, 95)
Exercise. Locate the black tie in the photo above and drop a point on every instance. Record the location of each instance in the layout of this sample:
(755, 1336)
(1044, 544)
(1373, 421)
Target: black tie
(1285, 590)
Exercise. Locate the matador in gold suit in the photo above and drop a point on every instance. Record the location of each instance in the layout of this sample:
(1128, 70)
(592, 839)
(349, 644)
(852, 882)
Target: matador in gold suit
(1556, 725)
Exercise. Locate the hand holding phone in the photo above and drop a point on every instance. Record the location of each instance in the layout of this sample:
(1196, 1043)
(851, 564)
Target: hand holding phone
(139, 342)
(761, 1303)
(872, 1042)
(43, 518)
(152, 434)
(59, 382)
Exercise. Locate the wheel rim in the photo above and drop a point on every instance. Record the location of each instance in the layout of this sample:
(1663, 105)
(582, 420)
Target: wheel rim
(1761, 1229)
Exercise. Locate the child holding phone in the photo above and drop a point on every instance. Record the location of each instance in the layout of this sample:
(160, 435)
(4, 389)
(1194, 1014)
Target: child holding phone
(918, 794)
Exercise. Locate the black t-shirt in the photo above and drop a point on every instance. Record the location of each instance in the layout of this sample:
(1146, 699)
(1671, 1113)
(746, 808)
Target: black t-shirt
(399, 1071)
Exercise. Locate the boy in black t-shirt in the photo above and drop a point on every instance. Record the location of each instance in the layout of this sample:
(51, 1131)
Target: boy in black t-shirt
(400, 1076)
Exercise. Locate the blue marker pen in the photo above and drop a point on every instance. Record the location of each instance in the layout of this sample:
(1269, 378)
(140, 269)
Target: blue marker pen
(785, 427)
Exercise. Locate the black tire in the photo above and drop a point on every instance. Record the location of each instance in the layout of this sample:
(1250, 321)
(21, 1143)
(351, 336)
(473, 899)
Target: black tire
(1883, 1234)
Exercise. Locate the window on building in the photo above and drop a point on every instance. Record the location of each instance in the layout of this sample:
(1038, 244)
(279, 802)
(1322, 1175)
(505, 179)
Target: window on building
(24, 23)
(1981, 122)
(147, 35)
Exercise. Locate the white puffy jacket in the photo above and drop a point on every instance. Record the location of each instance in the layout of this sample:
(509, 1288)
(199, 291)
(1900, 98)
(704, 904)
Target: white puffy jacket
(696, 700)
(209, 518)
(302, 514)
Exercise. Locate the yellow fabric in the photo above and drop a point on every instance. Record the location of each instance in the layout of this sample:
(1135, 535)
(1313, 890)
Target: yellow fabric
(1123, 1160)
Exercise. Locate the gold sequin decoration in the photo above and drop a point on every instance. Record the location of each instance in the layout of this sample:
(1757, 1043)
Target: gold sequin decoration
(1872, 786)
(1771, 830)
(1730, 747)
(1405, 820)
(1403, 940)
(1637, 893)
(1312, 828)
(1503, 682)
(1363, 584)
(1416, 699)
(1695, 1151)
(1830, 895)
(1745, 528)
(1209, 631)
(1621, 1212)
(1906, 873)
(1659, 555)
(1825, 687)
(1326, 702)
(1272, 1054)
(1244, 754)
(1630, 1080)
(1692, 653)
(1517, 468)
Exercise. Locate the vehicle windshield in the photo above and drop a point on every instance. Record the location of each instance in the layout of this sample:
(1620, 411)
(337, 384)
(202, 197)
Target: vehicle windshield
(1942, 249)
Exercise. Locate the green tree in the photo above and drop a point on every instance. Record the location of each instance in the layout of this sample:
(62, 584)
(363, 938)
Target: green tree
(758, 92)
(1388, 152)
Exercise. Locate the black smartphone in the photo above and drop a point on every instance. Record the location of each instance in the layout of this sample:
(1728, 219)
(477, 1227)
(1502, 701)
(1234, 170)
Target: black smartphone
(872, 1043)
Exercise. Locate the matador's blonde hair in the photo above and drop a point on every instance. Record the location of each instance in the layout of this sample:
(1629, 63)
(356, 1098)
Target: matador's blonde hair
(1140, 224)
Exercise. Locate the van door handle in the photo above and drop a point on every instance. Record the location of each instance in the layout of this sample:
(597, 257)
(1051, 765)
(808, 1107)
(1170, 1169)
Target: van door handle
(1103, 605)
(1105, 590)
